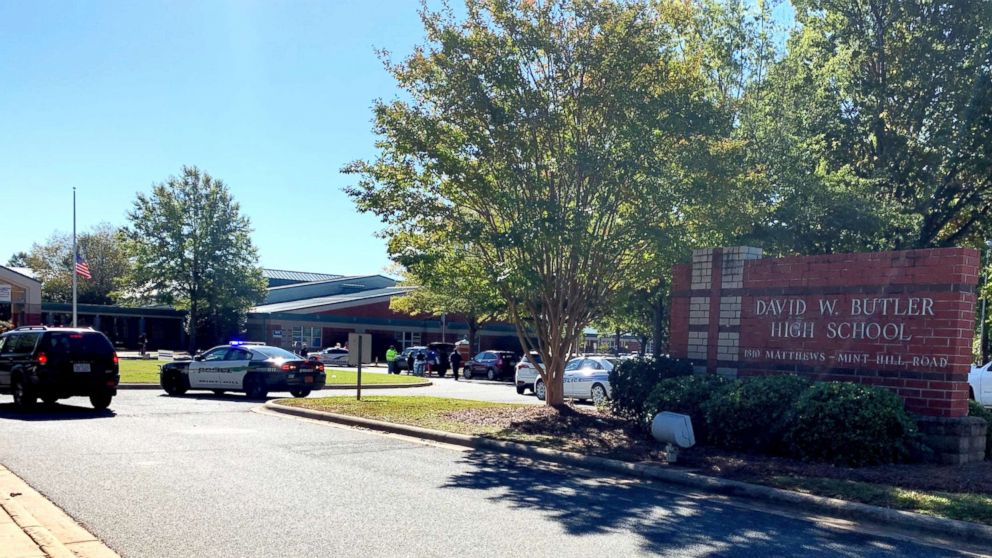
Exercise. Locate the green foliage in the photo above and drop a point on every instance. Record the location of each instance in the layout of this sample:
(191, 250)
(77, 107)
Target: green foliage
(686, 395)
(5, 326)
(975, 409)
(192, 247)
(632, 382)
(103, 249)
(753, 414)
(551, 138)
(871, 132)
(851, 424)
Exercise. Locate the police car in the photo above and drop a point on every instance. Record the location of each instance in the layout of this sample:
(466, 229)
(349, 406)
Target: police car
(254, 368)
(585, 378)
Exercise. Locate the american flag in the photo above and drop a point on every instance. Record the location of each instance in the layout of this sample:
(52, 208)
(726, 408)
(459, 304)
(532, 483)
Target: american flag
(82, 268)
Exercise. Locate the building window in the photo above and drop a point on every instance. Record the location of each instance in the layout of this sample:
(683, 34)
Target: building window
(308, 335)
(409, 339)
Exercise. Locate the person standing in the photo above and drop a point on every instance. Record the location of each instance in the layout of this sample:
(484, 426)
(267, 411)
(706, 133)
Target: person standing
(143, 343)
(390, 358)
(304, 351)
(456, 362)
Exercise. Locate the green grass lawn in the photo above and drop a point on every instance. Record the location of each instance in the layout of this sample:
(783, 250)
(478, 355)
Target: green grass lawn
(976, 508)
(146, 372)
(425, 412)
(139, 371)
(346, 377)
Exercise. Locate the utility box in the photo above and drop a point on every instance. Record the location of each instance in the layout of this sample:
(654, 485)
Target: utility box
(673, 428)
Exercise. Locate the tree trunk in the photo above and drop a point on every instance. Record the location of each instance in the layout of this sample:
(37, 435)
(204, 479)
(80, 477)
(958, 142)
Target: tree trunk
(644, 345)
(193, 321)
(657, 327)
(555, 393)
(616, 350)
(473, 331)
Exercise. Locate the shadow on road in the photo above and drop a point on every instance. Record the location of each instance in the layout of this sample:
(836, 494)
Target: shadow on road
(238, 397)
(667, 524)
(42, 412)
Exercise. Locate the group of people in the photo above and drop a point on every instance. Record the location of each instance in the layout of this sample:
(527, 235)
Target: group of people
(301, 348)
(423, 362)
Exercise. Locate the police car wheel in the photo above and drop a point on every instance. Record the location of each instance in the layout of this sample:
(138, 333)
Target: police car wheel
(254, 388)
(490, 374)
(219, 392)
(598, 395)
(299, 392)
(172, 384)
(539, 390)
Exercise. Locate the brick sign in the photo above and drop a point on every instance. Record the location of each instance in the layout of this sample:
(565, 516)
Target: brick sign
(902, 320)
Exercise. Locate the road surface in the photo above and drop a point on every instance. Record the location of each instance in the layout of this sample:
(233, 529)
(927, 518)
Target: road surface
(205, 475)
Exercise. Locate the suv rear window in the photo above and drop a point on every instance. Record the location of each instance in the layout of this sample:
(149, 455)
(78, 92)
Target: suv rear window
(76, 344)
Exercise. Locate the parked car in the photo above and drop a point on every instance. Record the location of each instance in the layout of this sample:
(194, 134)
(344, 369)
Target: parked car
(400, 362)
(527, 372)
(53, 363)
(586, 378)
(443, 351)
(980, 384)
(493, 365)
(337, 356)
(254, 368)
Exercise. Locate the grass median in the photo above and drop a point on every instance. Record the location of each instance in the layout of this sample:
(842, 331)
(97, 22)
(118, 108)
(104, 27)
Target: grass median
(146, 372)
(951, 492)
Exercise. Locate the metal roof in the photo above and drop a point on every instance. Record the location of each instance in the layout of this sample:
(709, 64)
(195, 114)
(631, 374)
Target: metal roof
(299, 276)
(337, 301)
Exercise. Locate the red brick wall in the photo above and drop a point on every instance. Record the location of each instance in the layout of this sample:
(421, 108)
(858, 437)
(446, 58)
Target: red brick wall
(902, 320)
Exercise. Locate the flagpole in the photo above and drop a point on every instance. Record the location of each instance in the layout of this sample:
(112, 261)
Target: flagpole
(75, 256)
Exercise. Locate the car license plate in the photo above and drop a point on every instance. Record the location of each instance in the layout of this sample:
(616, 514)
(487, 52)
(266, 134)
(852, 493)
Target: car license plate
(307, 379)
(81, 367)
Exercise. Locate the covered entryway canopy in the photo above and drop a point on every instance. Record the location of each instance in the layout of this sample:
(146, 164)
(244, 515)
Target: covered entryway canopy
(20, 298)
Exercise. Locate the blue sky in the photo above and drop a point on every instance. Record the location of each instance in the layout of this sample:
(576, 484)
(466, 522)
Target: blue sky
(272, 97)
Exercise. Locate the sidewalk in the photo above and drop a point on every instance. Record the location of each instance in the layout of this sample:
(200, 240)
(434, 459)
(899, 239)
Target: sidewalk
(33, 527)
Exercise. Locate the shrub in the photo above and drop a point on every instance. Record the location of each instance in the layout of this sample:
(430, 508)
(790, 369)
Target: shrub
(5, 326)
(631, 383)
(975, 409)
(686, 395)
(851, 424)
(753, 414)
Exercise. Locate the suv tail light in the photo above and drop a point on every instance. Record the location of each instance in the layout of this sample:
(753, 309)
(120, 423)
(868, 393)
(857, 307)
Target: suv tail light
(42, 359)
(116, 360)
(319, 366)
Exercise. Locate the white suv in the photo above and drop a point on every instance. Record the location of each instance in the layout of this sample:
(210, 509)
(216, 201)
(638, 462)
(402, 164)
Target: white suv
(526, 372)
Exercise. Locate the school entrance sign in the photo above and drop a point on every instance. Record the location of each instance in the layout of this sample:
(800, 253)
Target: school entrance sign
(902, 320)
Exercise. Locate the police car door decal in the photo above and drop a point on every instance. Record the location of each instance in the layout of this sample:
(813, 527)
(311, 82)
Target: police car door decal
(232, 374)
(202, 372)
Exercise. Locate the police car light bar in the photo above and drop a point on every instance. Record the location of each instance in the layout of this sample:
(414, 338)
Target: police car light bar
(235, 343)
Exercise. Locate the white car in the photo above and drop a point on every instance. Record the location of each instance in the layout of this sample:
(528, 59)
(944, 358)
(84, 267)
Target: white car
(331, 355)
(585, 378)
(980, 382)
(526, 372)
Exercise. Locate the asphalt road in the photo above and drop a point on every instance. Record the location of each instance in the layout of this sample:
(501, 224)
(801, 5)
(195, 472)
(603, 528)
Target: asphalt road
(203, 475)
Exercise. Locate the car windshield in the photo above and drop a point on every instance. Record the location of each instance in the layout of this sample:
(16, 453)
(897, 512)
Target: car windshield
(275, 352)
(77, 344)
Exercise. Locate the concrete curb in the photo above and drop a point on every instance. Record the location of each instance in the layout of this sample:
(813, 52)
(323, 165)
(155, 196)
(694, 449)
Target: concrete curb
(326, 388)
(972, 532)
(41, 536)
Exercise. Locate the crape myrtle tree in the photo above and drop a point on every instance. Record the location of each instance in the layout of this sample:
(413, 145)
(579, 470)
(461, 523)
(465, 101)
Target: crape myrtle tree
(448, 280)
(191, 246)
(546, 137)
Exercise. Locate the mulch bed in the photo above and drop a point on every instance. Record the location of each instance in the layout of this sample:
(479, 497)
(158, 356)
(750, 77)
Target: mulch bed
(588, 431)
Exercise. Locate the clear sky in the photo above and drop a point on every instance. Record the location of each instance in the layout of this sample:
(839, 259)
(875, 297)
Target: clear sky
(273, 97)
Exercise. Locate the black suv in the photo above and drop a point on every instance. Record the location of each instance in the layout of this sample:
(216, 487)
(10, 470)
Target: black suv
(54, 363)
